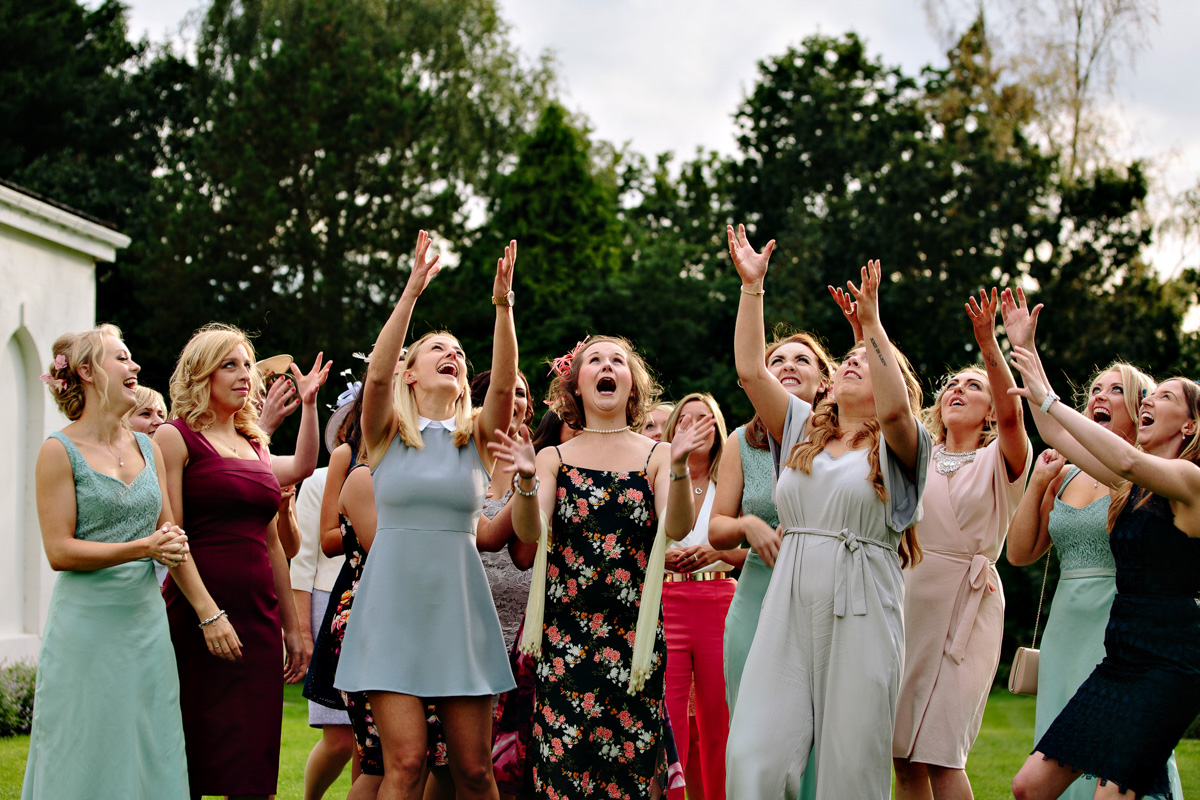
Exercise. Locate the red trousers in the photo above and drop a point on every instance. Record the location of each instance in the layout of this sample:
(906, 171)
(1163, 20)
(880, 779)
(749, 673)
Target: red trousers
(694, 624)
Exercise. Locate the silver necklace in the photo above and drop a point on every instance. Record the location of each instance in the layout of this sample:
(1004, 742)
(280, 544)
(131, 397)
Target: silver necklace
(950, 463)
(602, 430)
(698, 490)
(120, 450)
(226, 445)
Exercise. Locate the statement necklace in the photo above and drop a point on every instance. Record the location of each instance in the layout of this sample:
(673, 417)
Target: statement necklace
(950, 463)
(602, 430)
(120, 450)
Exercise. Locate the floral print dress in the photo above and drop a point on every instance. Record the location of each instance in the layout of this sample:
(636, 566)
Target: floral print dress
(591, 738)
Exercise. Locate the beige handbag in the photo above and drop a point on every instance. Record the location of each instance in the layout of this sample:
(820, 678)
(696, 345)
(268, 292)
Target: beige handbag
(1023, 677)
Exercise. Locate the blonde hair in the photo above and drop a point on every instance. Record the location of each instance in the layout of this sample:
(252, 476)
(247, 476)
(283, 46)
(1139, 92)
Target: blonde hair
(643, 396)
(718, 446)
(931, 417)
(148, 397)
(79, 349)
(1189, 452)
(404, 397)
(756, 430)
(191, 393)
(824, 426)
(1135, 385)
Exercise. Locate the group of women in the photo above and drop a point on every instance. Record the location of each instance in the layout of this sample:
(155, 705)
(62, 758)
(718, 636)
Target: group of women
(861, 640)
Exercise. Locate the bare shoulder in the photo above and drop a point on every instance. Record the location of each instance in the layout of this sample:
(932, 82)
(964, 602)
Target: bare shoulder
(52, 458)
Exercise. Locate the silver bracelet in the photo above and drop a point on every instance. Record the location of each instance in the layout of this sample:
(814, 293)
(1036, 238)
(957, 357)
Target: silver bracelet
(1049, 401)
(687, 473)
(212, 619)
(537, 482)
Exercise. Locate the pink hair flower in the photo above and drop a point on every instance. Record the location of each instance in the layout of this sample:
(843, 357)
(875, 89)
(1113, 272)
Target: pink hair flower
(60, 361)
(561, 366)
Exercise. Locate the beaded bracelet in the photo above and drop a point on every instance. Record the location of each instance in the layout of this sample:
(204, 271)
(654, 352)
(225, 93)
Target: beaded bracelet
(537, 482)
(212, 619)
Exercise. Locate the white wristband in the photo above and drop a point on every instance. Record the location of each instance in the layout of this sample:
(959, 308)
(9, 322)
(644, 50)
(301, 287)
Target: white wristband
(1049, 401)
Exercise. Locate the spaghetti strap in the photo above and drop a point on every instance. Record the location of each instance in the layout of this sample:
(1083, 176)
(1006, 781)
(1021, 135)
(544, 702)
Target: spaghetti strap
(649, 456)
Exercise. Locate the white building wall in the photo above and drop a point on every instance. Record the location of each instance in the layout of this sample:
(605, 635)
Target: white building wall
(47, 287)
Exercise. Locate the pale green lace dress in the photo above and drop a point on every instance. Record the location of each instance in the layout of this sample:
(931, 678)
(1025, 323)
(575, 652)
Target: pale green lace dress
(106, 719)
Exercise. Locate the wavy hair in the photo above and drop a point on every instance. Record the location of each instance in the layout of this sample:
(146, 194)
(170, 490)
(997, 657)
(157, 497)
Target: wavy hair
(191, 390)
(1189, 452)
(404, 396)
(77, 350)
(642, 397)
(756, 430)
(718, 446)
(824, 426)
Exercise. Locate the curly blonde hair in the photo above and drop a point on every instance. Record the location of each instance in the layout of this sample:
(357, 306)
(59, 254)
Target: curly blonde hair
(190, 382)
(79, 349)
(718, 447)
(931, 417)
(642, 397)
(404, 396)
(824, 426)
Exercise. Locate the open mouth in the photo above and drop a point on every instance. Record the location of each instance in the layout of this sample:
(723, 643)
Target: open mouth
(131, 383)
(448, 368)
(957, 401)
(1101, 416)
(1147, 419)
(606, 385)
(790, 381)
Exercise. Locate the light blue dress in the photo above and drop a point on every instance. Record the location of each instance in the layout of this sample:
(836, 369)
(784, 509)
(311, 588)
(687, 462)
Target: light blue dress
(1073, 643)
(106, 718)
(758, 484)
(424, 623)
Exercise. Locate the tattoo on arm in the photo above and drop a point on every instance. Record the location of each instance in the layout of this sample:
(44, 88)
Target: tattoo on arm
(991, 359)
(878, 352)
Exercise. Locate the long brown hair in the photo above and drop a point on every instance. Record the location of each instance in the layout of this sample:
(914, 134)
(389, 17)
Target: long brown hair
(756, 430)
(1189, 452)
(824, 426)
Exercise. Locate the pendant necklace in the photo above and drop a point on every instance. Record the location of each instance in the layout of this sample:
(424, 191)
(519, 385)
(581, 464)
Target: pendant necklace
(120, 450)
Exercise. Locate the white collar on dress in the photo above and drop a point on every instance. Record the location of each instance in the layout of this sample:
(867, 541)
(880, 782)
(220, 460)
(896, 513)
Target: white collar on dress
(425, 422)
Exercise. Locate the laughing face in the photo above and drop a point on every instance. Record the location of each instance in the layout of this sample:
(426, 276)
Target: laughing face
(119, 385)
(1106, 405)
(439, 363)
(798, 369)
(1166, 420)
(852, 381)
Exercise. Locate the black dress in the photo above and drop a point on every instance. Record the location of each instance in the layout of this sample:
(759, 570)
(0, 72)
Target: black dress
(1127, 717)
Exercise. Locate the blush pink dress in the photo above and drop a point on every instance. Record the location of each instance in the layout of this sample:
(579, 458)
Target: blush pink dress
(954, 609)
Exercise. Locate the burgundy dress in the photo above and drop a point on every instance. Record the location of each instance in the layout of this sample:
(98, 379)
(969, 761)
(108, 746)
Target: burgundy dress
(232, 712)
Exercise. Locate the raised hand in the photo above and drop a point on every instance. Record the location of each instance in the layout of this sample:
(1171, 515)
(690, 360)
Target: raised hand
(849, 309)
(1037, 385)
(517, 451)
(983, 316)
(866, 294)
(1047, 465)
(504, 270)
(281, 400)
(422, 270)
(751, 265)
(1019, 322)
(307, 385)
(690, 435)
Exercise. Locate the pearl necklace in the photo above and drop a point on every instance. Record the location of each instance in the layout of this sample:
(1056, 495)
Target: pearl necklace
(120, 450)
(602, 430)
(950, 463)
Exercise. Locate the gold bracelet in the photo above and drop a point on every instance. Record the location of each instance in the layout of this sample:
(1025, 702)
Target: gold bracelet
(752, 292)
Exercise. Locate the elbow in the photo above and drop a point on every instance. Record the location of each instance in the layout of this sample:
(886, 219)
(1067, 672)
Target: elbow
(59, 562)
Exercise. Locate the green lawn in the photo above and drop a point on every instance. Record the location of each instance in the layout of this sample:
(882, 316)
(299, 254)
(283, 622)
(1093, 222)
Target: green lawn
(1006, 738)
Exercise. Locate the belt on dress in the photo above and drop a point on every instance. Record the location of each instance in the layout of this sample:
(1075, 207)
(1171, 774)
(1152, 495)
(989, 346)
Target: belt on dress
(856, 564)
(1087, 572)
(977, 586)
(686, 577)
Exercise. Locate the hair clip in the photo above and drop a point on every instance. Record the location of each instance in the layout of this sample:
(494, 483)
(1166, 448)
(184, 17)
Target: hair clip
(562, 365)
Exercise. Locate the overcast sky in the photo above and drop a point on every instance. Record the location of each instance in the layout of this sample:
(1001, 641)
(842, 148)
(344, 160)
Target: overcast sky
(668, 74)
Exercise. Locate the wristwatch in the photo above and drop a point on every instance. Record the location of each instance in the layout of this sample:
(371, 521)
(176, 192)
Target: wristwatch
(508, 300)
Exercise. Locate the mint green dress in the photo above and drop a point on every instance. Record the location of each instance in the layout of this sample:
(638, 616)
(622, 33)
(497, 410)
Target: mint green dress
(758, 485)
(106, 719)
(1073, 643)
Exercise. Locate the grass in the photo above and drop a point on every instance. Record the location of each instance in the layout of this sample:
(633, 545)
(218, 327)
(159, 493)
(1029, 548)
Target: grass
(1004, 742)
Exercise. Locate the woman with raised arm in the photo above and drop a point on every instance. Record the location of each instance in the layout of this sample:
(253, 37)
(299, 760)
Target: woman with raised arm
(744, 509)
(953, 599)
(1146, 691)
(824, 669)
(219, 478)
(424, 626)
(106, 717)
(599, 722)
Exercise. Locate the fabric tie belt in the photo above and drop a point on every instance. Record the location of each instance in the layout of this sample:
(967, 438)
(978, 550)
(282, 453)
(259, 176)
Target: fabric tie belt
(978, 571)
(850, 567)
(684, 577)
(1087, 572)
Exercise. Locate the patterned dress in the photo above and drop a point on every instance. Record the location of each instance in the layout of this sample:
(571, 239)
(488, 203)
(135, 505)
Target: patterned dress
(591, 737)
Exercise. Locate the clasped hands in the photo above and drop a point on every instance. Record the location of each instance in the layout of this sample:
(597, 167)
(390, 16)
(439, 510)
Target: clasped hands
(169, 545)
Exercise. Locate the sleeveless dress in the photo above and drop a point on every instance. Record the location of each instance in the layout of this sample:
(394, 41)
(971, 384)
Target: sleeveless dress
(424, 623)
(1126, 718)
(232, 711)
(758, 486)
(106, 705)
(824, 670)
(590, 736)
(954, 608)
(1073, 643)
